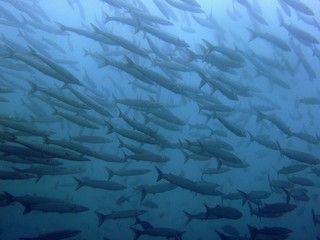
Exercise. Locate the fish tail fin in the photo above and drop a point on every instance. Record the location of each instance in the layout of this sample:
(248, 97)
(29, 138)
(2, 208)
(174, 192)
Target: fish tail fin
(46, 139)
(121, 143)
(33, 89)
(160, 174)
(143, 195)
(138, 221)
(221, 235)
(24, 20)
(61, 27)
(212, 132)
(188, 142)
(146, 118)
(136, 232)
(282, 23)
(259, 115)
(101, 217)
(288, 196)
(253, 231)
(130, 63)
(79, 182)
(96, 30)
(107, 18)
(27, 208)
(250, 208)
(313, 217)
(201, 146)
(244, 197)
(85, 52)
(251, 136)
(253, 34)
(180, 143)
(189, 216)
(125, 155)
(32, 51)
(186, 157)
(138, 26)
(110, 128)
(114, 99)
(207, 210)
(222, 198)
(105, 62)
(55, 112)
(219, 163)
(8, 136)
(38, 177)
(16, 169)
(269, 181)
(9, 197)
(10, 52)
(110, 173)
(279, 148)
(179, 237)
(192, 55)
(120, 113)
(203, 81)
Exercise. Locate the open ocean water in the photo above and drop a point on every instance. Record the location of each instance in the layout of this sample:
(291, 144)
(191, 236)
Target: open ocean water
(159, 119)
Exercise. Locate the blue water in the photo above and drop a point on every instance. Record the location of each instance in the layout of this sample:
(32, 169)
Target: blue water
(108, 81)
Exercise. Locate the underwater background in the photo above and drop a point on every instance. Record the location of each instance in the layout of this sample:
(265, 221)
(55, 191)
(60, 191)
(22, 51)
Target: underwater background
(198, 118)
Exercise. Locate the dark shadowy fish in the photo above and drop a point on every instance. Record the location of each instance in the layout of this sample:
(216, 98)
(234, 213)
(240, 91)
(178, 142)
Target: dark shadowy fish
(300, 34)
(57, 207)
(263, 141)
(205, 189)
(302, 181)
(158, 232)
(230, 230)
(148, 157)
(310, 100)
(108, 157)
(315, 218)
(299, 155)
(199, 216)
(76, 119)
(22, 152)
(134, 135)
(106, 185)
(24, 127)
(127, 172)
(57, 95)
(57, 235)
(273, 209)
(154, 189)
(212, 171)
(13, 175)
(223, 212)
(150, 204)
(299, 6)
(254, 195)
(274, 40)
(90, 103)
(225, 237)
(119, 215)
(269, 232)
(292, 169)
(143, 224)
(41, 171)
(48, 149)
(122, 200)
